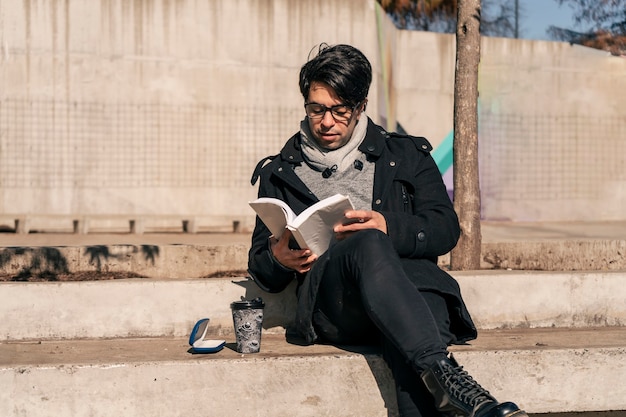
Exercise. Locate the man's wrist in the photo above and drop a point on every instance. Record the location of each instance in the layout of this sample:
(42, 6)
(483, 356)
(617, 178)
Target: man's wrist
(274, 260)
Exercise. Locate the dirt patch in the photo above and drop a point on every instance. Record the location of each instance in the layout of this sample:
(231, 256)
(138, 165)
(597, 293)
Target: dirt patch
(48, 276)
(228, 274)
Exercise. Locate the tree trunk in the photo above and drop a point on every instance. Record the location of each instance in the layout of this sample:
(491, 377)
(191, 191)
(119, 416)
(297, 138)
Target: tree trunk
(467, 253)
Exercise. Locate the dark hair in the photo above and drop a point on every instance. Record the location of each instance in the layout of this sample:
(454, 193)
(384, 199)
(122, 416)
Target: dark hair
(343, 67)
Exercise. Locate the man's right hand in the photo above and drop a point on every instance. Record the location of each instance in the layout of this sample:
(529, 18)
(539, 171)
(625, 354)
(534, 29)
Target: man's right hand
(300, 260)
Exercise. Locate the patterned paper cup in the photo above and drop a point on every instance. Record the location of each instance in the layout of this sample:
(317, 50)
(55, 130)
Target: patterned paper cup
(248, 322)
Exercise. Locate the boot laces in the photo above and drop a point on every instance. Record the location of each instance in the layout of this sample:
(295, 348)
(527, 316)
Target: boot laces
(464, 387)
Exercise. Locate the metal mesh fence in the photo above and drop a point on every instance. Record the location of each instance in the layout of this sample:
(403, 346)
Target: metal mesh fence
(550, 157)
(51, 144)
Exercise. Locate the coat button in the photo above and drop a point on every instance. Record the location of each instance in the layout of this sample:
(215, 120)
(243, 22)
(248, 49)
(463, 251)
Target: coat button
(377, 202)
(421, 236)
(392, 163)
(290, 156)
(280, 169)
(371, 148)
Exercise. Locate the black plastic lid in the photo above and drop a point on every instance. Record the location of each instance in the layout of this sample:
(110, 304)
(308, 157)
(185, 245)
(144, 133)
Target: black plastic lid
(246, 304)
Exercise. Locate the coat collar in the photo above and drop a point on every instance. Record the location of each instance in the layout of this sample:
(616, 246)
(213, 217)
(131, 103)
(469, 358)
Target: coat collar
(373, 146)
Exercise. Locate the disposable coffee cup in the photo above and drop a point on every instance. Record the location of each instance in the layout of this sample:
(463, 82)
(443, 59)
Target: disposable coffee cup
(248, 322)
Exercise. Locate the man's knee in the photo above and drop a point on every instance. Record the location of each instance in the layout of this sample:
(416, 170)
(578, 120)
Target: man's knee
(370, 242)
(373, 254)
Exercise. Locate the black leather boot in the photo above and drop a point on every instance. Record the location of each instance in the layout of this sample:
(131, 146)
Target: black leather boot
(457, 394)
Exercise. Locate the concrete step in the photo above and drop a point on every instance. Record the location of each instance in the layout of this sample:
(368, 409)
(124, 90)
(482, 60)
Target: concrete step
(182, 256)
(551, 341)
(544, 370)
(154, 308)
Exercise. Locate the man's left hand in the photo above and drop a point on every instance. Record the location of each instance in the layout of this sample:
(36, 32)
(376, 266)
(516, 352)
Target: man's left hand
(360, 220)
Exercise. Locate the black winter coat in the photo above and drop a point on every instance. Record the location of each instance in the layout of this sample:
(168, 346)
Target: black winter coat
(408, 191)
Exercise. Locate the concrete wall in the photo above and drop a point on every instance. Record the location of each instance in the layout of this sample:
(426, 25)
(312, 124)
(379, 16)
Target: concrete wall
(163, 107)
(552, 130)
(116, 107)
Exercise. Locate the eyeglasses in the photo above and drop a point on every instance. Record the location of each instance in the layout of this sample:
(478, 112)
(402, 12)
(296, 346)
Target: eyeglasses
(340, 112)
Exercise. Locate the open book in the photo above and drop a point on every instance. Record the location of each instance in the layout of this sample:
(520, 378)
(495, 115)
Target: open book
(313, 228)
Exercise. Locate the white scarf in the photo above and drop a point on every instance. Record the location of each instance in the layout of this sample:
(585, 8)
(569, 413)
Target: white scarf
(341, 158)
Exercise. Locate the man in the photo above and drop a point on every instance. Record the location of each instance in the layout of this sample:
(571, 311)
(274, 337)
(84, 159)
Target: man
(380, 280)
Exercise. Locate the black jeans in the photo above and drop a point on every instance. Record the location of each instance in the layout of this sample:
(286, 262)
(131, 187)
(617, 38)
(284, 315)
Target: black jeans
(365, 293)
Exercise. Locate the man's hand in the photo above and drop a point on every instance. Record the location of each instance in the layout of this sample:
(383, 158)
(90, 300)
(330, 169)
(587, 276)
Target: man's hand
(360, 220)
(300, 260)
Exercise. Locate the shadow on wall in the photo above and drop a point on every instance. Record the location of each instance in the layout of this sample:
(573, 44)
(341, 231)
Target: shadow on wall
(27, 264)
(44, 263)
(99, 255)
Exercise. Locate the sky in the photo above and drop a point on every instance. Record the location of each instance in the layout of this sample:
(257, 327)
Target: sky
(537, 15)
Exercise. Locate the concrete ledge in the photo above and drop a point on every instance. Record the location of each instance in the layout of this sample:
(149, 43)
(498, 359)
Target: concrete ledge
(214, 253)
(146, 307)
(528, 299)
(167, 381)
(130, 223)
(130, 308)
(542, 370)
(556, 255)
(166, 261)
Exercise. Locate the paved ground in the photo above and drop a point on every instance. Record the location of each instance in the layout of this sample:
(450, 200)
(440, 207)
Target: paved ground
(491, 232)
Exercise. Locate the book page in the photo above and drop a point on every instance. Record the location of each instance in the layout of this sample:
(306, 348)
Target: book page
(313, 228)
(274, 213)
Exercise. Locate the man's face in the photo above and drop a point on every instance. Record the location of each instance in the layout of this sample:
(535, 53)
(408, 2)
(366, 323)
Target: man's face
(329, 132)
